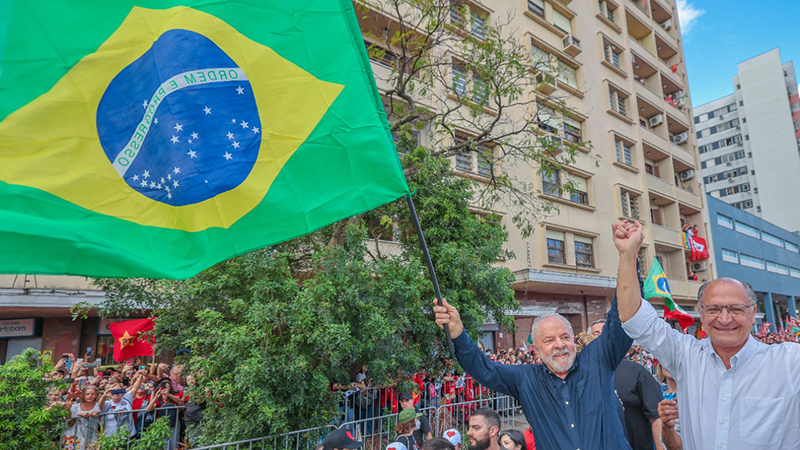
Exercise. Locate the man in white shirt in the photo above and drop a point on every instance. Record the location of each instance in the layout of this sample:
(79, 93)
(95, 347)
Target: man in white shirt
(733, 391)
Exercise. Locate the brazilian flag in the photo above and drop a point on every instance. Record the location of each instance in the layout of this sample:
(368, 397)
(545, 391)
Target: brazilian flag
(156, 138)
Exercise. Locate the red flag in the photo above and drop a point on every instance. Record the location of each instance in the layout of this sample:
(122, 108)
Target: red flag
(128, 339)
(701, 247)
(674, 68)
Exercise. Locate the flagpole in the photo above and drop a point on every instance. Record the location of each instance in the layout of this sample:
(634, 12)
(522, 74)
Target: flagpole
(431, 270)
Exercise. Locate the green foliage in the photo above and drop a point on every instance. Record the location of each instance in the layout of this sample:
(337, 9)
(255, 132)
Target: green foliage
(25, 421)
(152, 438)
(116, 441)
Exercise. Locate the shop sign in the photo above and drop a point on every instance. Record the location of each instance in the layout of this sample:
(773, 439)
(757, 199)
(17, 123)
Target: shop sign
(17, 328)
(103, 329)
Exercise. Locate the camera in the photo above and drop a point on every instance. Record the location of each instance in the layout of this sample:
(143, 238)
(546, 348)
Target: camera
(117, 391)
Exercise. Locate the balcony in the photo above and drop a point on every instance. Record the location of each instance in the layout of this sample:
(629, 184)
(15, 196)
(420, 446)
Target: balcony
(571, 45)
(672, 237)
(683, 288)
(660, 185)
(640, 6)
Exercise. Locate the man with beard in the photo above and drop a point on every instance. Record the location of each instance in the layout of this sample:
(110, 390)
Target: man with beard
(569, 400)
(484, 426)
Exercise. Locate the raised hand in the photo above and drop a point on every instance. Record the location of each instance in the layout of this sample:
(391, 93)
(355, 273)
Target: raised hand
(628, 237)
(668, 412)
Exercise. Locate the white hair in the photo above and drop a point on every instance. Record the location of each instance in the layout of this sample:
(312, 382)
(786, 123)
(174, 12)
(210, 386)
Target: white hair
(538, 322)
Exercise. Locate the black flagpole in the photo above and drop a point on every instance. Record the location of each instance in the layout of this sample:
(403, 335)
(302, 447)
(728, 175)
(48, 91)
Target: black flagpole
(432, 272)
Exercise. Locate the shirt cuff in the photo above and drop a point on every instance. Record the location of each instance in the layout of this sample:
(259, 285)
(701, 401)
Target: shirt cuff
(640, 322)
(462, 338)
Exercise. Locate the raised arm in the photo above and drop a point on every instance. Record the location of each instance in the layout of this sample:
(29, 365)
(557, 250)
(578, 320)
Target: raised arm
(628, 238)
(495, 376)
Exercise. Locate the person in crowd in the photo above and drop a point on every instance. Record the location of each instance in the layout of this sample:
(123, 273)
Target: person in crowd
(83, 426)
(596, 327)
(530, 442)
(193, 414)
(484, 427)
(422, 431)
(163, 401)
(454, 437)
(512, 440)
(727, 403)
(640, 394)
(406, 424)
(340, 439)
(569, 399)
(396, 446)
(116, 406)
(438, 443)
(668, 410)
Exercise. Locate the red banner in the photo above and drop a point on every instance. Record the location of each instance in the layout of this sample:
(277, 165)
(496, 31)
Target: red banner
(128, 339)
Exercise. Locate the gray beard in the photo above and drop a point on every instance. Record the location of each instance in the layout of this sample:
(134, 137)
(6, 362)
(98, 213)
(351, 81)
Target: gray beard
(559, 367)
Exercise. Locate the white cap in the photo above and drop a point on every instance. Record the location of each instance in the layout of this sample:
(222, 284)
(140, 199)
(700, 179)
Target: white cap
(396, 446)
(453, 436)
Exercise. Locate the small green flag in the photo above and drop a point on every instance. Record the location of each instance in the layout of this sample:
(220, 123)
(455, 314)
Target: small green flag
(144, 138)
(656, 285)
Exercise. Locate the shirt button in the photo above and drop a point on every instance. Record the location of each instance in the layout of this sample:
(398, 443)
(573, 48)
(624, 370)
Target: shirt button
(724, 399)
(719, 445)
(722, 422)
(566, 403)
(572, 425)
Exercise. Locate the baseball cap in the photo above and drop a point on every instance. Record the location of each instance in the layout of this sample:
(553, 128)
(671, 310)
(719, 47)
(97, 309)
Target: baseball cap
(407, 415)
(396, 446)
(406, 396)
(453, 436)
(340, 439)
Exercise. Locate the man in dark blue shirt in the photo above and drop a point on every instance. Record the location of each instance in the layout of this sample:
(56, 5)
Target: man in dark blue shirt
(569, 400)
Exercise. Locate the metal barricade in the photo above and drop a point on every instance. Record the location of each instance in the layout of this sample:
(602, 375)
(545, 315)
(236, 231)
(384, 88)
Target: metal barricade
(98, 423)
(297, 440)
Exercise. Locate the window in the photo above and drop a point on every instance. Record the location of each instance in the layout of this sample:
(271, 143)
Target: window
(751, 261)
(630, 204)
(477, 22)
(485, 157)
(618, 102)
(464, 162)
(643, 270)
(794, 272)
(605, 9)
(459, 80)
(772, 239)
(792, 247)
(777, 268)
(536, 7)
(584, 255)
(541, 60)
(572, 130)
(748, 230)
(724, 221)
(730, 256)
(478, 25)
(567, 74)
(480, 91)
(580, 187)
(562, 22)
(551, 183)
(555, 247)
(546, 119)
(624, 152)
(481, 157)
(612, 54)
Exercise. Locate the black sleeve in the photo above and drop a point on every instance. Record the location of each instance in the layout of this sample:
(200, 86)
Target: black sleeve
(425, 426)
(651, 393)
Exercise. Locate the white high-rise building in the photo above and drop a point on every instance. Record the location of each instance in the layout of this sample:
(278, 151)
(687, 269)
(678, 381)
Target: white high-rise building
(748, 141)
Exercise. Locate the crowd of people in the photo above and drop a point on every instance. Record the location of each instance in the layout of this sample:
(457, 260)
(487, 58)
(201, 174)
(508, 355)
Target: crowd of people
(130, 397)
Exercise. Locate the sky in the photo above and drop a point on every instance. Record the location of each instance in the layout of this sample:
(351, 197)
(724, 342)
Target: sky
(719, 34)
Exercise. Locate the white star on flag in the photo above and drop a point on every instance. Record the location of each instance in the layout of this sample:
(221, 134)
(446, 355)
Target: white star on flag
(239, 90)
(175, 183)
(233, 120)
(162, 180)
(169, 177)
(207, 110)
(152, 184)
(190, 141)
(235, 144)
(145, 104)
(192, 154)
(194, 135)
(230, 135)
(136, 178)
(178, 127)
(176, 170)
(174, 139)
(155, 120)
(243, 124)
(227, 156)
(158, 186)
(144, 183)
(146, 174)
(169, 196)
(255, 130)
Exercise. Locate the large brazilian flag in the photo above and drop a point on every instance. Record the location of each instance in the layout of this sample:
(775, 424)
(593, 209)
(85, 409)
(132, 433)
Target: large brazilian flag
(156, 138)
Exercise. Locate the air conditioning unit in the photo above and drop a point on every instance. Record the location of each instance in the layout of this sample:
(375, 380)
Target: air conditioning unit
(687, 175)
(738, 127)
(656, 120)
(667, 25)
(572, 45)
(701, 266)
(545, 83)
(740, 143)
(681, 138)
(729, 163)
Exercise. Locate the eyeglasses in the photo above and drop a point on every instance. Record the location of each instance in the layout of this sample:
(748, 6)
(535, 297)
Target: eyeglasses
(734, 310)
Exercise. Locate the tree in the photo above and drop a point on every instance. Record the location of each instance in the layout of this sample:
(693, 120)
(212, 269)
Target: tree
(26, 421)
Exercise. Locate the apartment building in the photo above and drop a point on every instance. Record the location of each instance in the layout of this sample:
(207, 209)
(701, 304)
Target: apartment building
(748, 141)
(619, 66)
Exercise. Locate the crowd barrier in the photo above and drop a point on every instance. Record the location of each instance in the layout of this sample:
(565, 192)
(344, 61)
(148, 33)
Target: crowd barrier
(98, 425)
(378, 431)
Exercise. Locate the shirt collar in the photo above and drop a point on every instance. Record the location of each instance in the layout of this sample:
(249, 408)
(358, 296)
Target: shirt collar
(741, 356)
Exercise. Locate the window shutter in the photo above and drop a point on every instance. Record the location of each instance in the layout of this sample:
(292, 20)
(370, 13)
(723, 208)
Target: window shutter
(582, 239)
(578, 182)
(553, 234)
(561, 21)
